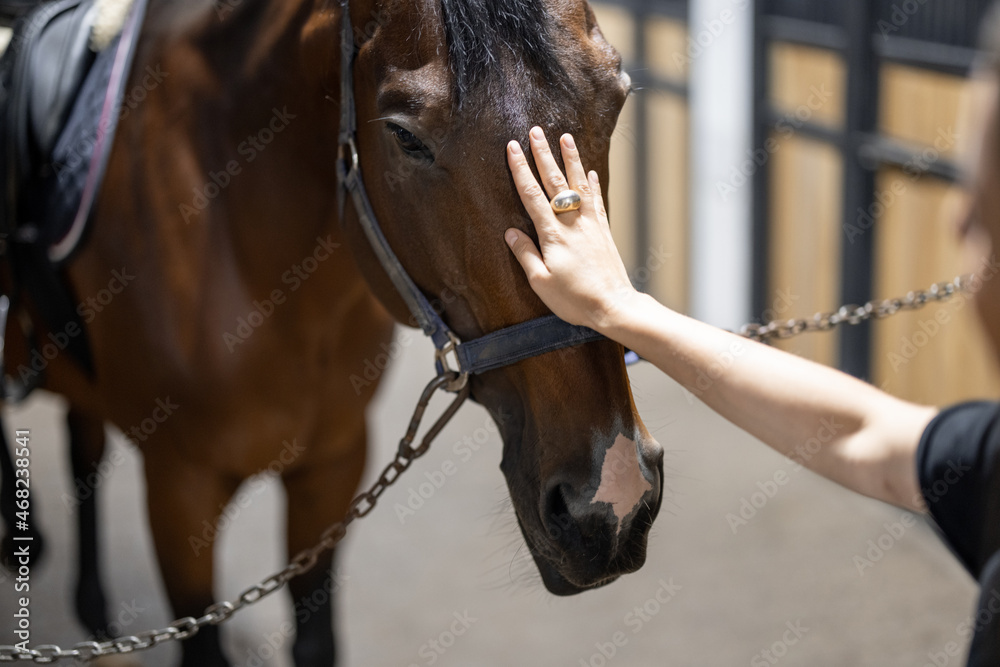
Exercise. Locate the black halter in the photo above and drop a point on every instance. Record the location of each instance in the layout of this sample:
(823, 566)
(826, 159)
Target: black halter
(491, 351)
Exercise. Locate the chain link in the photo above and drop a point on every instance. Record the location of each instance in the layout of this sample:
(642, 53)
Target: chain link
(305, 560)
(365, 502)
(853, 314)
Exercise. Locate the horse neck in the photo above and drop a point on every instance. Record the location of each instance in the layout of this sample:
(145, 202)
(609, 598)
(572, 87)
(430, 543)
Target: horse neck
(248, 40)
(245, 37)
(231, 71)
(260, 62)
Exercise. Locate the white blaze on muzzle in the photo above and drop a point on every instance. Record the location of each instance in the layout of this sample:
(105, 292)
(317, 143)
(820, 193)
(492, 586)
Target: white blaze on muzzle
(622, 482)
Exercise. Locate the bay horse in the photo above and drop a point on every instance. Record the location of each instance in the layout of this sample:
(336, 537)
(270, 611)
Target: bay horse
(253, 301)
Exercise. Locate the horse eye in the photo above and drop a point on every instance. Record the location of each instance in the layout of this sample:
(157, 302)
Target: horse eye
(409, 142)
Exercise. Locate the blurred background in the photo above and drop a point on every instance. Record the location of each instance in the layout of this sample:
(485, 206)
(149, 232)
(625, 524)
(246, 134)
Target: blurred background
(797, 155)
(779, 158)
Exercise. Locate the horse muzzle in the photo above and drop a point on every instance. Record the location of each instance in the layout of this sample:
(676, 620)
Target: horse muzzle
(596, 523)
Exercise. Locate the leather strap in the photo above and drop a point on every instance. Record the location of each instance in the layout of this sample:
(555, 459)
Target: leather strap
(522, 341)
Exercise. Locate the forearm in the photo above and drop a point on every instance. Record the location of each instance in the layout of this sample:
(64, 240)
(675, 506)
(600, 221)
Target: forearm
(836, 425)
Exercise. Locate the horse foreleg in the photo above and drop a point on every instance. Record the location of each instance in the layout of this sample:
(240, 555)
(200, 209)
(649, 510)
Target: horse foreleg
(319, 493)
(8, 510)
(86, 447)
(185, 502)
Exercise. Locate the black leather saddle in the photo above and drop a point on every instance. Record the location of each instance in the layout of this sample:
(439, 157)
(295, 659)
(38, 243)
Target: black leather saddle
(41, 73)
(59, 106)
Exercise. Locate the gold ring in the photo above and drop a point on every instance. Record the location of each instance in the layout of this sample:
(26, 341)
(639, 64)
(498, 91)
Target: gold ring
(566, 201)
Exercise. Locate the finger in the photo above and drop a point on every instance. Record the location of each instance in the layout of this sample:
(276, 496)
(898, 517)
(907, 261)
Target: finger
(551, 175)
(575, 173)
(531, 193)
(598, 198)
(527, 254)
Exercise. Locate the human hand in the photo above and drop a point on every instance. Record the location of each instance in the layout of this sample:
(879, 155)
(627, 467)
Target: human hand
(576, 269)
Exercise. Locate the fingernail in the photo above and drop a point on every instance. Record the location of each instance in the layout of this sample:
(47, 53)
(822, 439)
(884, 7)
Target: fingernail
(514, 147)
(569, 142)
(536, 133)
(594, 177)
(511, 237)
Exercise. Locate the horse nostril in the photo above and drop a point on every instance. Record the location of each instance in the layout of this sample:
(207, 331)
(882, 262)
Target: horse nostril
(556, 517)
(652, 456)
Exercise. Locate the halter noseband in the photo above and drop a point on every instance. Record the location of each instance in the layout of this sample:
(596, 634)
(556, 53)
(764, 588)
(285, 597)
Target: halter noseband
(489, 352)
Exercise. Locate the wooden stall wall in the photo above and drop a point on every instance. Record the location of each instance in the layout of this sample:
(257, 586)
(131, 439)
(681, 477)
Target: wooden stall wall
(807, 85)
(937, 355)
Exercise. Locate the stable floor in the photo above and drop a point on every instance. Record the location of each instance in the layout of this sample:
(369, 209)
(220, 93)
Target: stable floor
(793, 582)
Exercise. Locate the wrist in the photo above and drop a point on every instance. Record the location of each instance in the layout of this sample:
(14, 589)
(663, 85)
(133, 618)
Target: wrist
(621, 308)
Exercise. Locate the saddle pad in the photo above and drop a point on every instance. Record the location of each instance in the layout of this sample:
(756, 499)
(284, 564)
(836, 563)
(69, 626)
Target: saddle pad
(81, 154)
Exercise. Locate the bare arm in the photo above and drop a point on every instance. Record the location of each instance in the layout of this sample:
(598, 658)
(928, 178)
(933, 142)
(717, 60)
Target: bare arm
(836, 425)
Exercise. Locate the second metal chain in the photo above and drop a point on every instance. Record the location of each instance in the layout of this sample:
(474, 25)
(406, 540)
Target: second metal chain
(853, 314)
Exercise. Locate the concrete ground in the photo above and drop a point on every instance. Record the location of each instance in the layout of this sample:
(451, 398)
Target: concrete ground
(816, 577)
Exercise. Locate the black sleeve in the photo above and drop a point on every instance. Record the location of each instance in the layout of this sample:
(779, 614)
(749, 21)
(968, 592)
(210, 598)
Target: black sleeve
(957, 467)
(985, 648)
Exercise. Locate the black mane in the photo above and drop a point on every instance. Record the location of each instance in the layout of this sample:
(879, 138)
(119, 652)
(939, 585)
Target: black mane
(482, 34)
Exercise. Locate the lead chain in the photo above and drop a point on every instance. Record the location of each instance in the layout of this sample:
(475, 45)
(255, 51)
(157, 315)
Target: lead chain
(364, 502)
(360, 507)
(853, 314)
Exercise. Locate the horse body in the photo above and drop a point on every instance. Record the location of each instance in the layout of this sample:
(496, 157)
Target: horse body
(245, 315)
(251, 307)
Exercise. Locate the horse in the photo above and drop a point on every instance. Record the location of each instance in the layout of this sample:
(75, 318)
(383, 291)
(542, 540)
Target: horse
(252, 299)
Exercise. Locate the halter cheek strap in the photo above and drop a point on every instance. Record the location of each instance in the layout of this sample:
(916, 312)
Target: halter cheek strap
(492, 351)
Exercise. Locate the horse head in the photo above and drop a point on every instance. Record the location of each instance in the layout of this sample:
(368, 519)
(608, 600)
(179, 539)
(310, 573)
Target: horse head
(440, 88)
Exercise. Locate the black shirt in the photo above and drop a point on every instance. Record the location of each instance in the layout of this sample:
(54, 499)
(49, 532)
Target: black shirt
(958, 464)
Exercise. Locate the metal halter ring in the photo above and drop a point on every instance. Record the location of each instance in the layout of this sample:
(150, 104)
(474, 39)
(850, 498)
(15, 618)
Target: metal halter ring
(441, 356)
(566, 201)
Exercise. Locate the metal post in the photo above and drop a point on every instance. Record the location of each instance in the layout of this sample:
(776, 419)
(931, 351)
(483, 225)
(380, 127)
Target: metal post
(642, 233)
(859, 181)
(760, 261)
